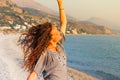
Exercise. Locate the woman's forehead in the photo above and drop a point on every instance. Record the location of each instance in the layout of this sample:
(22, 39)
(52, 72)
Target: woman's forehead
(54, 27)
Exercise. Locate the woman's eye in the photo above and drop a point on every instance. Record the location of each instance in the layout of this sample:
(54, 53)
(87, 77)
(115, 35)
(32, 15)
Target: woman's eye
(58, 29)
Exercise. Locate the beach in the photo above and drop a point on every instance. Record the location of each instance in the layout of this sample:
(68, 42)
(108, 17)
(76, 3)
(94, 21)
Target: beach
(11, 60)
(79, 75)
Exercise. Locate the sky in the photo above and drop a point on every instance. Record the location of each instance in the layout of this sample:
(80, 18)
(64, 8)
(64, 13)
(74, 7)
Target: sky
(84, 9)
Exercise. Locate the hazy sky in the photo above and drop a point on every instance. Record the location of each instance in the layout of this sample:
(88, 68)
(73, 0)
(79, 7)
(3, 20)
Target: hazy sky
(85, 9)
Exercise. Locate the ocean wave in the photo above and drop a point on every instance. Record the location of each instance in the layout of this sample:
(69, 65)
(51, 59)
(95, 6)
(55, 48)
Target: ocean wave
(4, 71)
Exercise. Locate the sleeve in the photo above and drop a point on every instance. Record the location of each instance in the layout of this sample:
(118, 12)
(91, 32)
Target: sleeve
(40, 65)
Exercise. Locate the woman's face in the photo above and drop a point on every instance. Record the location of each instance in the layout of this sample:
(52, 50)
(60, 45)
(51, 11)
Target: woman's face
(56, 35)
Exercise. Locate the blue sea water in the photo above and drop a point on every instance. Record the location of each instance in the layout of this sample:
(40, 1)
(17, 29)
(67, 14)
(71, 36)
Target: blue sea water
(96, 55)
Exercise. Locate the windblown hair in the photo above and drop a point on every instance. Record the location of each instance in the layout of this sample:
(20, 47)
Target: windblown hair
(35, 42)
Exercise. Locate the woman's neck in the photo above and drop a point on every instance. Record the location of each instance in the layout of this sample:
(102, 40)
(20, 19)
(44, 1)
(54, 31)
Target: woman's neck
(53, 46)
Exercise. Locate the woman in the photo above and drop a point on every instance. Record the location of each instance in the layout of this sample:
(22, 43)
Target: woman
(45, 57)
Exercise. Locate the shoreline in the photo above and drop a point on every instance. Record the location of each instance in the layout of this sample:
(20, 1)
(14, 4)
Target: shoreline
(91, 35)
(80, 75)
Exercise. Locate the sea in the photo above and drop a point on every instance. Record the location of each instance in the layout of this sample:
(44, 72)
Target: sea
(97, 55)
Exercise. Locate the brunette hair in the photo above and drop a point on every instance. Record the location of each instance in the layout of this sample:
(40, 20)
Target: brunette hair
(34, 43)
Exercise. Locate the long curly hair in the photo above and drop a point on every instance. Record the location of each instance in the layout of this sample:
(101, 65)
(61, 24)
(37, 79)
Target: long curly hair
(34, 43)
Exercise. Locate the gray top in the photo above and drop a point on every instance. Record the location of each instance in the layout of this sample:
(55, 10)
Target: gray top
(52, 65)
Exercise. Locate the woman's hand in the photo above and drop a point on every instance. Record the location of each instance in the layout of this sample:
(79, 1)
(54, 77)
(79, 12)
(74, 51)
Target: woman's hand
(59, 1)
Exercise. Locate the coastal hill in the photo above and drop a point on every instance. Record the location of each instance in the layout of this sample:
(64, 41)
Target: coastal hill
(33, 4)
(20, 17)
(14, 17)
(100, 21)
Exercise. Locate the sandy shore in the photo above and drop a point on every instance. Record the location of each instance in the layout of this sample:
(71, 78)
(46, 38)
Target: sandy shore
(8, 45)
(79, 75)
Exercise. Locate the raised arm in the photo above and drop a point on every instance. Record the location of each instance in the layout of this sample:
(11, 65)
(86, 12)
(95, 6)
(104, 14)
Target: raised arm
(63, 20)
